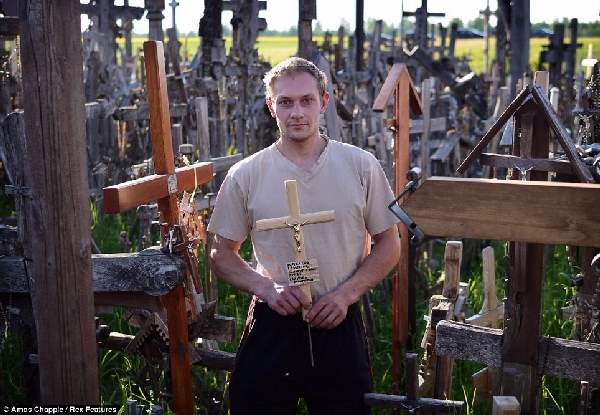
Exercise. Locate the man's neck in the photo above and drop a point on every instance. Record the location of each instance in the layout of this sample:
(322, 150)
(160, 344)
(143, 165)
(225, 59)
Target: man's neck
(304, 154)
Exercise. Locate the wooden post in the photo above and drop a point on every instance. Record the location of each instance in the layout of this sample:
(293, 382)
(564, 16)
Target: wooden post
(307, 12)
(428, 84)
(57, 204)
(359, 35)
(519, 41)
(155, 17)
(406, 99)
(503, 18)
(203, 138)
(520, 375)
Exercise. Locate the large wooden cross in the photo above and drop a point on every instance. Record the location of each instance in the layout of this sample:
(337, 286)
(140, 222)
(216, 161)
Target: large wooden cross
(164, 187)
(406, 99)
(295, 221)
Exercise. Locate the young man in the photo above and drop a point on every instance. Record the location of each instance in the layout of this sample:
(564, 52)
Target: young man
(273, 367)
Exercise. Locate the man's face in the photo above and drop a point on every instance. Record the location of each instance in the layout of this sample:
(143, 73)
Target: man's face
(296, 105)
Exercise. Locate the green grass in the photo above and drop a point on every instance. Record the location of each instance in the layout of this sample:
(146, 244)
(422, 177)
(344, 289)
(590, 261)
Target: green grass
(277, 48)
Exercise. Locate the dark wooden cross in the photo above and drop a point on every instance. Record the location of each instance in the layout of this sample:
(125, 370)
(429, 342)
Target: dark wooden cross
(164, 187)
(406, 99)
(420, 32)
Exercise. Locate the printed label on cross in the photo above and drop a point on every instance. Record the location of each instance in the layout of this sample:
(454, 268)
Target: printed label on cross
(164, 187)
(301, 272)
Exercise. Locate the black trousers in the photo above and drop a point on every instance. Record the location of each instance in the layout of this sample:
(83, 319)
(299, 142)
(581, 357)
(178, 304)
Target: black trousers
(273, 368)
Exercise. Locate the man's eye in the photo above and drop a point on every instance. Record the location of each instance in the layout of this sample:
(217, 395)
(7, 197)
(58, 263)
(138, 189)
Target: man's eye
(307, 100)
(285, 102)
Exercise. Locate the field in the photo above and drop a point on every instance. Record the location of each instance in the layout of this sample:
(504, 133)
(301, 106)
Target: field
(276, 48)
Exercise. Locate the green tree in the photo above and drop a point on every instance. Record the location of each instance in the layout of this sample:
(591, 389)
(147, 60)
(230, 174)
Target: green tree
(476, 23)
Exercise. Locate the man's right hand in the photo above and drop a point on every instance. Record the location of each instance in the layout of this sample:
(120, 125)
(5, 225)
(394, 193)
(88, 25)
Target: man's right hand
(283, 299)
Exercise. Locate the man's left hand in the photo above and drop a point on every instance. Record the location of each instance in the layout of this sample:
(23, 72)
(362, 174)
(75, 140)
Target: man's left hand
(328, 312)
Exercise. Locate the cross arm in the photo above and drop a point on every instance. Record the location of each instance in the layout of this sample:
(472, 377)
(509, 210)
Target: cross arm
(305, 219)
(125, 196)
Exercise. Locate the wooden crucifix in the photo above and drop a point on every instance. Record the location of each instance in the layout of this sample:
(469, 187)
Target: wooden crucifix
(406, 99)
(302, 271)
(164, 187)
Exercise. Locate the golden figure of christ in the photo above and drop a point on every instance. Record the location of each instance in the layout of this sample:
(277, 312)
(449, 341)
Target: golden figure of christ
(295, 221)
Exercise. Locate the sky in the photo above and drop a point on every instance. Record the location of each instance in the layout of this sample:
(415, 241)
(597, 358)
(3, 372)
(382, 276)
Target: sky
(282, 14)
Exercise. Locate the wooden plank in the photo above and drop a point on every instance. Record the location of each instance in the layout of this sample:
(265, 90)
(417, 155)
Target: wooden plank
(558, 357)
(476, 208)
(58, 213)
(495, 129)
(435, 124)
(128, 195)
(508, 161)
(151, 271)
(389, 87)
(203, 136)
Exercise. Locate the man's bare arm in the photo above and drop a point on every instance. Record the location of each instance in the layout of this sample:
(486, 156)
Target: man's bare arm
(331, 309)
(227, 264)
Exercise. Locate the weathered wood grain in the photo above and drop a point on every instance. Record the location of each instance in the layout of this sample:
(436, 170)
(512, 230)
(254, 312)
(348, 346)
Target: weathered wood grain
(557, 357)
(548, 212)
(151, 271)
(58, 213)
(510, 162)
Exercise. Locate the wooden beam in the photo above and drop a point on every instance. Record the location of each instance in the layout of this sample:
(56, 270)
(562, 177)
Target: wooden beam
(548, 212)
(505, 405)
(151, 271)
(389, 87)
(58, 213)
(510, 162)
(128, 195)
(557, 357)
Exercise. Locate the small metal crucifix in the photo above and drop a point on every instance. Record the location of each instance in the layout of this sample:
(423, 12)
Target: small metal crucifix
(302, 271)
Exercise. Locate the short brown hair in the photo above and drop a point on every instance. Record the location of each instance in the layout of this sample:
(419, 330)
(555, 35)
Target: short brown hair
(295, 65)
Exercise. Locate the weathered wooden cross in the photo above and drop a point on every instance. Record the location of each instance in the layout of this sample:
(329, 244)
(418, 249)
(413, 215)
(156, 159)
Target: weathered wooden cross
(164, 187)
(302, 271)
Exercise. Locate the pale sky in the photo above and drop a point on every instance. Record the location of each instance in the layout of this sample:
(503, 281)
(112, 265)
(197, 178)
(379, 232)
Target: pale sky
(281, 14)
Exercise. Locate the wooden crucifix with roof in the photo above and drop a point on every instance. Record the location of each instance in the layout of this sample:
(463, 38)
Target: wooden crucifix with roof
(164, 186)
(528, 211)
(302, 271)
(406, 99)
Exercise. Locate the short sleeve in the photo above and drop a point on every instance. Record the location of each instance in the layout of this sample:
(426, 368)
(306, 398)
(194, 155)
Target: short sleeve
(378, 217)
(229, 218)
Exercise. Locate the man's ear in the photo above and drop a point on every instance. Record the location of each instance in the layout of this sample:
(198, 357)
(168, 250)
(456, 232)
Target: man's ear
(324, 101)
(269, 101)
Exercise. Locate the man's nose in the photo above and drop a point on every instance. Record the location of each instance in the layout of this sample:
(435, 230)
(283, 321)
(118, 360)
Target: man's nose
(297, 111)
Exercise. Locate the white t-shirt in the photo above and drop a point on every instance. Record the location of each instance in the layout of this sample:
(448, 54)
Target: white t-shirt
(345, 179)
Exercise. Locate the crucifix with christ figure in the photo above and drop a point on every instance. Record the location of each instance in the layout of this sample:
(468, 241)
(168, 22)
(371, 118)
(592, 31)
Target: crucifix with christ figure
(302, 271)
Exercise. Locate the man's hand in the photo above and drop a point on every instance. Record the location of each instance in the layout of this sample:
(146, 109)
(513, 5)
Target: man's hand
(328, 312)
(285, 300)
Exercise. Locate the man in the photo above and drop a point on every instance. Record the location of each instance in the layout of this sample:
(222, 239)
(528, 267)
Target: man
(273, 367)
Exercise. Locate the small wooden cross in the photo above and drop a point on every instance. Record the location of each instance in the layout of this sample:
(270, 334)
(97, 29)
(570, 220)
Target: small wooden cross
(164, 187)
(300, 272)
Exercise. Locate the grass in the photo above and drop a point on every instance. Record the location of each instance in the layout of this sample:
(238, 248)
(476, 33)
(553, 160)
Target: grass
(274, 49)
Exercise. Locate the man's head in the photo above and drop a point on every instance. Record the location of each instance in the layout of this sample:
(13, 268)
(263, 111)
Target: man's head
(296, 95)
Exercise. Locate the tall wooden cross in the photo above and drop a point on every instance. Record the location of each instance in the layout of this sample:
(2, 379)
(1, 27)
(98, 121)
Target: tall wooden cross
(406, 99)
(164, 187)
(301, 272)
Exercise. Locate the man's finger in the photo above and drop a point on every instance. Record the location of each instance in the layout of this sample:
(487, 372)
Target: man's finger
(303, 300)
(318, 319)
